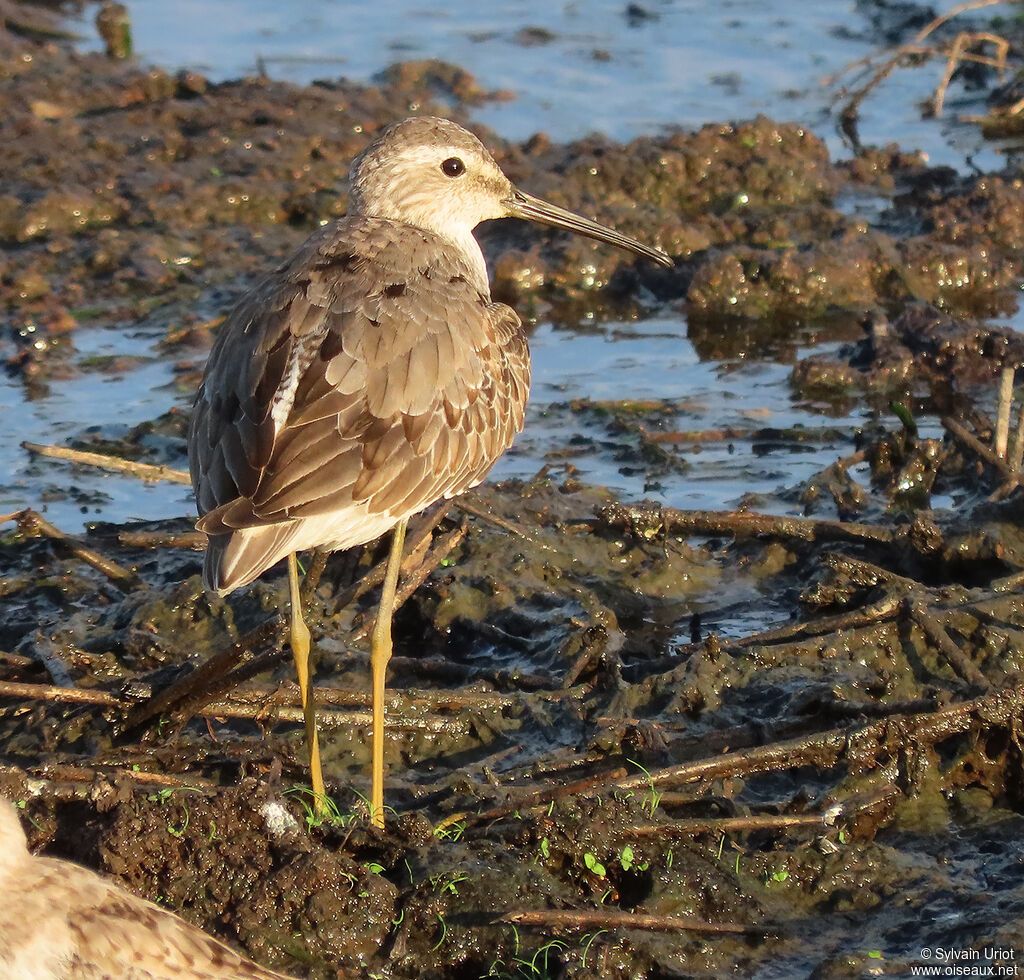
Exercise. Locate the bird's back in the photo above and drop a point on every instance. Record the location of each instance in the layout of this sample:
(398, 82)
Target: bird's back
(363, 380)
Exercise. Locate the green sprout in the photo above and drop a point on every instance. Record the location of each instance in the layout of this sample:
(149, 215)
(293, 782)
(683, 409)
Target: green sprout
(453, 832)
(441, 886)
(593, 865)
(588, 941)
(179, 832)
(444, 932)
(653, 797)
(326, 813)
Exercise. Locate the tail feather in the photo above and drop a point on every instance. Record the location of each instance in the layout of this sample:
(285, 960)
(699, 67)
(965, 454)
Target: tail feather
(236, 559)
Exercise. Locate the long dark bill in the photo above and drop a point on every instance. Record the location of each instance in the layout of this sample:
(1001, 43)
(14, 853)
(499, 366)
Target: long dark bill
(522, 205)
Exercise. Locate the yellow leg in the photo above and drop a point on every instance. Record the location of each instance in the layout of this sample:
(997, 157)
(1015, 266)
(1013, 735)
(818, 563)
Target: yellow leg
(380, 654)
(299, 638)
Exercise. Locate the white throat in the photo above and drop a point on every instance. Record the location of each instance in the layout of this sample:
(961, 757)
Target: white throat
(470, 248)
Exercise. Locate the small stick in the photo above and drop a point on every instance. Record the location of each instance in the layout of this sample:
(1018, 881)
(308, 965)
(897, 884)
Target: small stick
(1014, 458)
(1003, 411)
(340, 697)
(146, 471)
(700, 435)
(375, 575)
(866, 572)
(973, 443)
(48, 692)
(585, 919)
(1017, 456)
(63, 772)
(1009, 583)
(964, 667)
(572, 675)
(730, 825)
(744, 524)
(192, 540)
(33, 524)
(959, 53)
(468, 506)
(314, 573)
(410, 584)
(761, 821)
(877, 612)
(952, 62)
(331, 717)
(960, 8)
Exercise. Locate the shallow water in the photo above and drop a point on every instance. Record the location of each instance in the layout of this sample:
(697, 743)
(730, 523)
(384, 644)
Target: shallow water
(655, 361)
(90, 404)
(576, 68)
(683, 64)
(761, 439)
(678, 64)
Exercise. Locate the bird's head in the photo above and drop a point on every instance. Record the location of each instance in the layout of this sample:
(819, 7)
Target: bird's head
(434, 174)
(430, 173)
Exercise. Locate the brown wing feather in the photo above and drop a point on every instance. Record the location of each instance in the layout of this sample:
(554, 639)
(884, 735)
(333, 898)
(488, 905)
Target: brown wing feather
(360, 382)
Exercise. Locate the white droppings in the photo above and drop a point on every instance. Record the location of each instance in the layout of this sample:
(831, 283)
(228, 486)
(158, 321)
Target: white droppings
(277, 818)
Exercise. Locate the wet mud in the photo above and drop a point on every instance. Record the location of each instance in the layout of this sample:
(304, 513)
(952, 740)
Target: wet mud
(588, 777)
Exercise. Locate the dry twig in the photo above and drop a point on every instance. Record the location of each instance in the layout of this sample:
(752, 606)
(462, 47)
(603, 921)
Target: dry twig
(1012, 478)
(822, 749)
(33, 525)
(413, 556)
(1003, 411)
(586, 919)
(959, 52)
(192, 540)
(742, 524)
(145, 471)
(410, 584)
(883, 63)
(48, 692)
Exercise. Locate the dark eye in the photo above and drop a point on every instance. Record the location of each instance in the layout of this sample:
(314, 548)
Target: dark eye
(453, 167)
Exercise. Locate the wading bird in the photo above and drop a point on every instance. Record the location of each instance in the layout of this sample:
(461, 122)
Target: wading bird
(366, 378)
